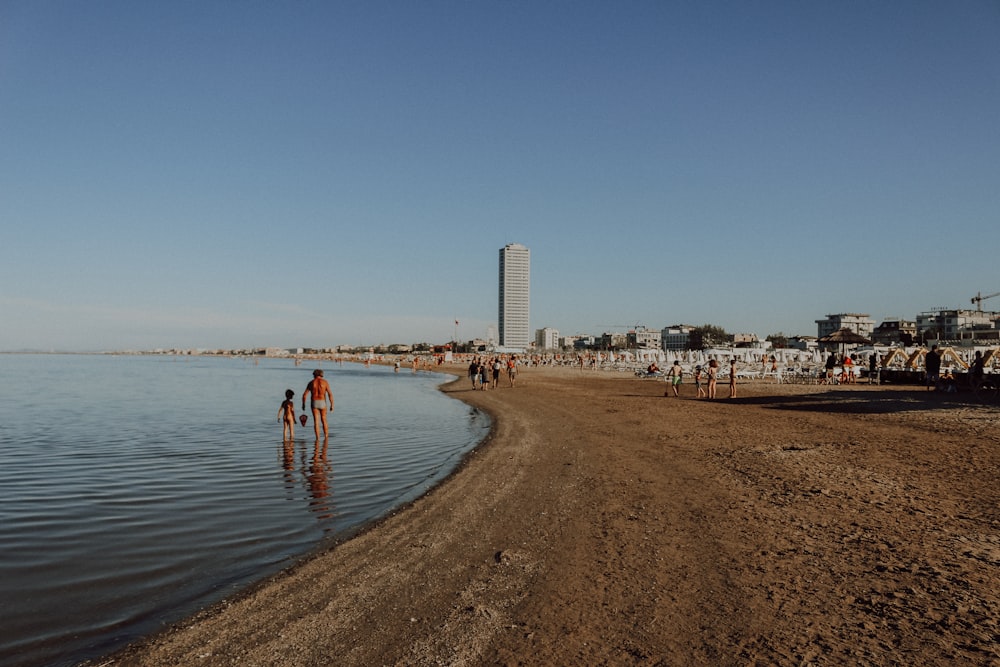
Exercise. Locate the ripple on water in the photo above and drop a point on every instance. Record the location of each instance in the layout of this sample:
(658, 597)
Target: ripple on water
(125, 514)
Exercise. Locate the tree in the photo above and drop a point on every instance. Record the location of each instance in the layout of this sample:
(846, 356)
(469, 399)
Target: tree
(778, 340)
(707, 336)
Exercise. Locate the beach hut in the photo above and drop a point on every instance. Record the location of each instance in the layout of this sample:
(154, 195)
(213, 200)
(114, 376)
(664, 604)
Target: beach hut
(916, 358)
(949, 357)
(895, 357)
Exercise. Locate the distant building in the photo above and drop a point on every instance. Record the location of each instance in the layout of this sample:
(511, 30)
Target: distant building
(965, 326)
(613, 341)
(515, 296)
(567, 342)
(745, 339)
(807, 343)
(547, 339)
(642, 338)
(675, 338)
(894, 331)
(859, 323)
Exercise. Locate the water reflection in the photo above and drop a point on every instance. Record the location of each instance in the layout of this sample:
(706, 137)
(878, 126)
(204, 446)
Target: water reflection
(318, 479)
(314, 472)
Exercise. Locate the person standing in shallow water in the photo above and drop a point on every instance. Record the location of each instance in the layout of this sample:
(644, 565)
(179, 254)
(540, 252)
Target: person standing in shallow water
(286, 415)
(319, 390)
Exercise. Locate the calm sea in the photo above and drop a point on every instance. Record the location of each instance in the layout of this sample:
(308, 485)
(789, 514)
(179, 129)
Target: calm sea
(135, 490)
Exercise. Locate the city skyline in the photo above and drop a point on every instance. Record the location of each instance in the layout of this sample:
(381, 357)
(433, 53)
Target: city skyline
(206, 176)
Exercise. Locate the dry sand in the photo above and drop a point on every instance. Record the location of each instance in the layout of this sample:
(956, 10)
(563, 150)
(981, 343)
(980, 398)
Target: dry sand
(603, 524)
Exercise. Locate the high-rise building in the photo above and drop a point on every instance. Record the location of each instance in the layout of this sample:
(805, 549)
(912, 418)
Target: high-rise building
(515, 296)
(547, 339)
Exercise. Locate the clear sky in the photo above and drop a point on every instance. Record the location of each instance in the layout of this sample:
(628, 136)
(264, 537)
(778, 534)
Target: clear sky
(231, 174)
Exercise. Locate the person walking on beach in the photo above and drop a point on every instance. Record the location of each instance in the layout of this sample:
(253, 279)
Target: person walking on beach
(319, 390)
(713, 377)
(497, 367)
(932, 367)
(484, 375)
(675, 378)
(732, 378)
(697, 382)
(286, 415)
(473, 372)
(512, 369)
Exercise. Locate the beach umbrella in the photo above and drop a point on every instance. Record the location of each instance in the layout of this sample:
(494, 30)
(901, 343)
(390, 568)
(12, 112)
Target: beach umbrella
(845, 337)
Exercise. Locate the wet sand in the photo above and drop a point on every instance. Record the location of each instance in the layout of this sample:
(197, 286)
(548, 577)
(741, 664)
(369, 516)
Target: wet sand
(604, 524)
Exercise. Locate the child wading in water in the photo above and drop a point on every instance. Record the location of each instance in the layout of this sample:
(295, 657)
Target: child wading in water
(286, 415)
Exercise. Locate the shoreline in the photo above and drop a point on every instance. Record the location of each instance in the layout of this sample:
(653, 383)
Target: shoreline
(600, 522)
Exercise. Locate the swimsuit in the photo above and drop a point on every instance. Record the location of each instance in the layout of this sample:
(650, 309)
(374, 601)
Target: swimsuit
(318, 405)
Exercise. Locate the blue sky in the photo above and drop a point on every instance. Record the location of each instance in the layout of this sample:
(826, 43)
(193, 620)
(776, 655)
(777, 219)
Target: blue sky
(230, 174)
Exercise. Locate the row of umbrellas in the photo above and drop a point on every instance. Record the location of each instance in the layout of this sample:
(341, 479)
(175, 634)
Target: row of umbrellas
(842, 337)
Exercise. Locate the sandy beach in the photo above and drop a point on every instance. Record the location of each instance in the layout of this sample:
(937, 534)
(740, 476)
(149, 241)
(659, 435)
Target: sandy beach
(602, 523)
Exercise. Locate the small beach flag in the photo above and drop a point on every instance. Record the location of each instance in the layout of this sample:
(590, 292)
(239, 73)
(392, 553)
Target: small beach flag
(303, 419)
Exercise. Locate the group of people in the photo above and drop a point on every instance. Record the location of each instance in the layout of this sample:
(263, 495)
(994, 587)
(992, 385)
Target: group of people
(709, 374)
(321, 403)
(849, 369)
(485, 372)
(946, 382)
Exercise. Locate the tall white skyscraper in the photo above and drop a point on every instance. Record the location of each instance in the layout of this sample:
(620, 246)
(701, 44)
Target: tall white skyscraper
(515, 296)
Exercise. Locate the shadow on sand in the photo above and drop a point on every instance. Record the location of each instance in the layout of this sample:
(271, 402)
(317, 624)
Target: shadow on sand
(862, 401)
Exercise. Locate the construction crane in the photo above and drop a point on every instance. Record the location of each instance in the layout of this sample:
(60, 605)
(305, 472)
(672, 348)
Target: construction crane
(979, 298)
(619, 326)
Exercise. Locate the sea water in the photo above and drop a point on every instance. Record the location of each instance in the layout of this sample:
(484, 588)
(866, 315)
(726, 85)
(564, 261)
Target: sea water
(135, 490)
